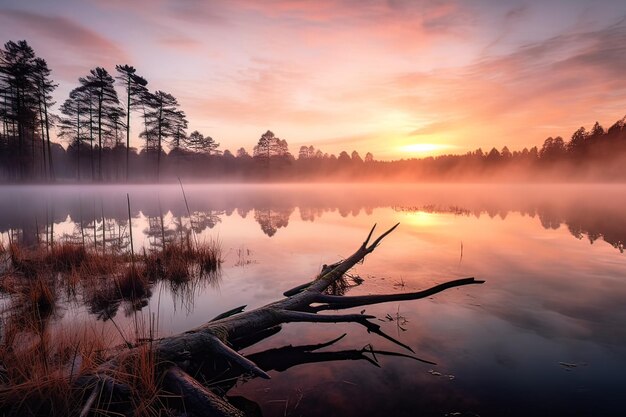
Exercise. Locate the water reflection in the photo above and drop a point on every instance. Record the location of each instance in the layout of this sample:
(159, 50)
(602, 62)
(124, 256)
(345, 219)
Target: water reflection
(550, 296)
(98, 217)
(272, 220)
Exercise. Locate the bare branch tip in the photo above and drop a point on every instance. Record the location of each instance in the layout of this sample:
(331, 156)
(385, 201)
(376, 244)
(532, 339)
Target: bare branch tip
(369, 236)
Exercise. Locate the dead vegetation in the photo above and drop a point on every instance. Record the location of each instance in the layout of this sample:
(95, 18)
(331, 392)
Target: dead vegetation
(189, 373)
(40, 363)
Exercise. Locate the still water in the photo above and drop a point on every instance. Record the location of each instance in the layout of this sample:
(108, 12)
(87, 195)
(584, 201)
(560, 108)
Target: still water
(544, 335)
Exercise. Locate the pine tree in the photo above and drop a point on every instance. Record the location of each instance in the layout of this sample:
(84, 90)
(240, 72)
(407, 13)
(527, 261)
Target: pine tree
(105, 103)
(163, 121)
(44, 86)
(75, 122)
(136, 94)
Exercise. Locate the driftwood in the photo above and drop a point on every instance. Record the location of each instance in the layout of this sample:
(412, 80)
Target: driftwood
(215, 345)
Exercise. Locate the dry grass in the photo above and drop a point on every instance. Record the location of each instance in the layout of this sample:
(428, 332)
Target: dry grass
(65, 257)
(181, 261)
(133, 282)
(42, 364)
(40, 297)
(209, 256)
(39, 361)
(40, 367)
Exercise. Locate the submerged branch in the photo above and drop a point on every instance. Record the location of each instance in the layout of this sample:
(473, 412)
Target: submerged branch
(336, 302)
(211, 350)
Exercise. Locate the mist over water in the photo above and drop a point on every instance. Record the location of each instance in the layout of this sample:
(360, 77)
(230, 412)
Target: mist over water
(543, 336)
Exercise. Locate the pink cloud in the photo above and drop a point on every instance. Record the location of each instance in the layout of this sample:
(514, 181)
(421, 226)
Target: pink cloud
(66, 44)
(180, 42)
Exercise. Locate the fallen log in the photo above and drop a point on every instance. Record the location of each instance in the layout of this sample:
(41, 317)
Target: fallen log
(218, 341)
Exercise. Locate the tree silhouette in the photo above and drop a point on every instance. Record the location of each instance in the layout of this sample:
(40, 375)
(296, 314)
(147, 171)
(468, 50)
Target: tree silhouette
(20, 99)
(74, 122)
(201, 144)
(553, 149)
(136, 94)
(344, 158)
(179, 139)
(578, 143)
(242, 153)
(356, 158)
(307, 152)
(268, 146)
(45, 86)
(164, 121)
(597, 130)
(100, 84)
(93, 111)
(271, 147)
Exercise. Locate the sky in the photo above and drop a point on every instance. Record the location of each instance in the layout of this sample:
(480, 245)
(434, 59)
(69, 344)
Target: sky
(397, 78)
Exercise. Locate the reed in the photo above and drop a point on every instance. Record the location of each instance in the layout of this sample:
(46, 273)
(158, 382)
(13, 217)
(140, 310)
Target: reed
(38, 371)
(40, 361)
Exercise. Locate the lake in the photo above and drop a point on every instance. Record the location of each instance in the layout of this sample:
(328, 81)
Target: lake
(544, 335)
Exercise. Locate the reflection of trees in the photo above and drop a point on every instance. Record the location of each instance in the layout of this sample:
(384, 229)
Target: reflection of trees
(309, 214)
(272, 220)
(596, 227)
(345, 211)
(158, 234)
(201, 220)
(549, 218)
(103, 298)
(243, 211)
(591, 213)
(581, 223)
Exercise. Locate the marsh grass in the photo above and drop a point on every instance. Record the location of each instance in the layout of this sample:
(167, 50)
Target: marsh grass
(42, 368)
(39, 360)
(181, 260)
(40, 364)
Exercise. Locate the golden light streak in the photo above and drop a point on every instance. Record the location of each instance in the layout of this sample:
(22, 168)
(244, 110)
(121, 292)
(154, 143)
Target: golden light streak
(422, 148)
(423, 219)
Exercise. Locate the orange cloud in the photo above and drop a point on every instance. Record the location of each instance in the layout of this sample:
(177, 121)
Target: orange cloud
(371, 75)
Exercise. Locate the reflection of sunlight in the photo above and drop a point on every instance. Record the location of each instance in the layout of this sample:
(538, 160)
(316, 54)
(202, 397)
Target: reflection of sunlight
(423, 219)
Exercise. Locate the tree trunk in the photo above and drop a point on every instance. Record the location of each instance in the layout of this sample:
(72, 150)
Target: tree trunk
(43, 141)
(159, 145)
(128, 128)
(50, 159)
(78, 141)
(100, 136)
(183, 355)
(93, 169)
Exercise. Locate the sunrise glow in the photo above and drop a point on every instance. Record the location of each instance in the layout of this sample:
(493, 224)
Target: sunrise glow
(341, 75)
(422, 219)
(189, 191)
(424, 148)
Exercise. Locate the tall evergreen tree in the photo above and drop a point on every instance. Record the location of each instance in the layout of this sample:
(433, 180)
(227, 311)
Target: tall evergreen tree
(20, 100)
(44, 86)
(106, 103)
(136, 94)
(163, 120)
(75, 122)
(201, 144)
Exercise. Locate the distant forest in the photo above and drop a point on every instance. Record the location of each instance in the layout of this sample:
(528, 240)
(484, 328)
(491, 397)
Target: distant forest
(94, 125)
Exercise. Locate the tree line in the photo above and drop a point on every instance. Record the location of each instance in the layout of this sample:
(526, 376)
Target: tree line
(94, 124)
